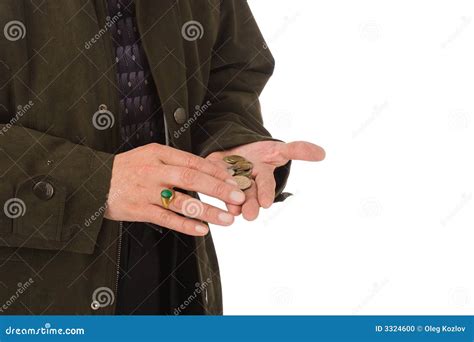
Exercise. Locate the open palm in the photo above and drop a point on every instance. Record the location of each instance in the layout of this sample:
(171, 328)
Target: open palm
(266, 156)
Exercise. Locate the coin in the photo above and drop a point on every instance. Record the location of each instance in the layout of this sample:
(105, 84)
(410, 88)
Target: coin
(243, 182)
(233, 159)
(231, 171)
(242, 165)
(245, 173)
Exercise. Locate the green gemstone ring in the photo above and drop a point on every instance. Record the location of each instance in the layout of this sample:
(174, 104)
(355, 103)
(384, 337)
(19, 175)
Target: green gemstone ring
(167, 196)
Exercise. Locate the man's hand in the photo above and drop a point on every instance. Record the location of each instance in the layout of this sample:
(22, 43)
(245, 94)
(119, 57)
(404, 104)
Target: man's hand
(139, 176)
(266, 156)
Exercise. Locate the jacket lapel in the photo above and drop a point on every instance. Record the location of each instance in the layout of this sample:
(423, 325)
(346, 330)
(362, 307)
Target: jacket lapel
(160, 29)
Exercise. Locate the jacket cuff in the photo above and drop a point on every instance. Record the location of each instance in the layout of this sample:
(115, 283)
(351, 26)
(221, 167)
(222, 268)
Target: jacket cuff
(55, 212)
(281, 177)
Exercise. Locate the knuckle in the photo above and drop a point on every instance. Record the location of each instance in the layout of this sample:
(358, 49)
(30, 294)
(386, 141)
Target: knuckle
(220, 189)
(162, 171)
(216, 172)
(184, 226)
(178, 202)
(188, 176)
(164, 219)
(191, 162)
(145, 170)
(153, 147)
(212, 215)
(208, 213)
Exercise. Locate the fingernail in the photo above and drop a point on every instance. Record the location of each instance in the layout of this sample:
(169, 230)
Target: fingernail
(237, 196)
(226, 218)
(201, 229)
(231, 181)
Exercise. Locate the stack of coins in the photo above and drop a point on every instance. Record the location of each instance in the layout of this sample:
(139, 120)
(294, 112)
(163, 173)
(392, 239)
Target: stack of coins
(241, 170)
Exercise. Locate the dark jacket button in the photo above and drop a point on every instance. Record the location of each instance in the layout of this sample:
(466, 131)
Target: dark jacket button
(43, 190)
(180, 116)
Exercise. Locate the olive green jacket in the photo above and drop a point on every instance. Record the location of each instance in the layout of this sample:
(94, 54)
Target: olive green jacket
(56, 68)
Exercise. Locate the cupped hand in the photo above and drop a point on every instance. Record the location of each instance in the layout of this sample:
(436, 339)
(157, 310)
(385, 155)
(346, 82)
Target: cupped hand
(266, 156)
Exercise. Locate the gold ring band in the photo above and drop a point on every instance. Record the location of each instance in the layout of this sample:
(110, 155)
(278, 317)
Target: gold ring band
(167, 196)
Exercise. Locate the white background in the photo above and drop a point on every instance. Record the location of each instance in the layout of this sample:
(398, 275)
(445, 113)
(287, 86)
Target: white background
(385, 224)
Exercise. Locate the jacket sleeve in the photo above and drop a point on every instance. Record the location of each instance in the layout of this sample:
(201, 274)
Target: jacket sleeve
(241, 65)
(52, 191)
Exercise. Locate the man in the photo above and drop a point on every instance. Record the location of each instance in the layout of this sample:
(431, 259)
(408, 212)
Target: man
(114, 115)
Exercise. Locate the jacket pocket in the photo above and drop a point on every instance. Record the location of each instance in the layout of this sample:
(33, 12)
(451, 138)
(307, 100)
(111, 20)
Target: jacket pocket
(39, 209)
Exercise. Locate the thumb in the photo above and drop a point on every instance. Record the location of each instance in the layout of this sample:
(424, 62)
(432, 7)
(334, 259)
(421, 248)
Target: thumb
(302, 150)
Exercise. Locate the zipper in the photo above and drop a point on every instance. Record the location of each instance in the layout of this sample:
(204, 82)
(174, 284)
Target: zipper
(104, 8)
(119, 252)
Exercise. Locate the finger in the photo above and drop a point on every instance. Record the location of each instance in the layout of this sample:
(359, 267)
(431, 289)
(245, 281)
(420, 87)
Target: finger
(302, 150)
(235, 210)
(251, 207)
(168, 219)
(266, 187)
(172, 156)
(189, 179)
(194, 208)
(224, 166)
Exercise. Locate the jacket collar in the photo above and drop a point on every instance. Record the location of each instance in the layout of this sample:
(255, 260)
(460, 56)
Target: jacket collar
(160, 28)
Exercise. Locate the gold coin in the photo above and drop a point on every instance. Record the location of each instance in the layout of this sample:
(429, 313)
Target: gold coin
(233, 159)
(245, 173)
(242, 165)
(243, 182)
